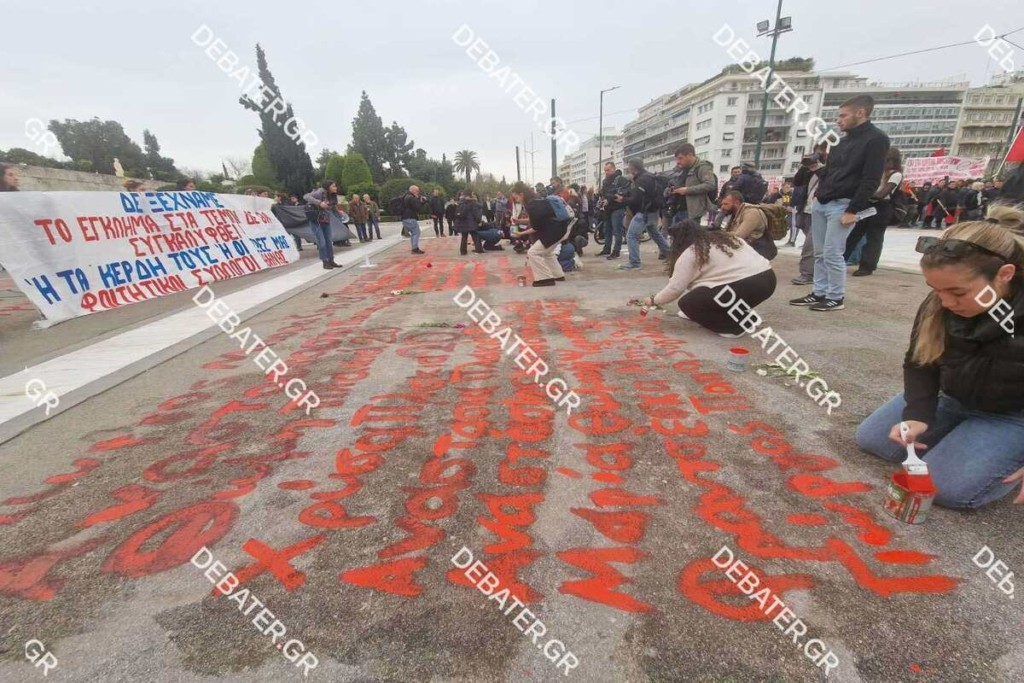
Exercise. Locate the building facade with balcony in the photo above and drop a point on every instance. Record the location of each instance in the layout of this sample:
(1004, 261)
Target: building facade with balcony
(583, 166)
(990, 117)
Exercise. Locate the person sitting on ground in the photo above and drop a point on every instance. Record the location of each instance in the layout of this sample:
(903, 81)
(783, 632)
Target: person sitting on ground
(567, 255)
(963, 375)
(468, 215)
(702, 264)
(490, 235)
(542, 222)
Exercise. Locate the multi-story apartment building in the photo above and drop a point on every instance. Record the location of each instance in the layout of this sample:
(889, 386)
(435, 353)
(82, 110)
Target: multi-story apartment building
(582, 166)
(990, 117)
(721, 118)
(919, 118)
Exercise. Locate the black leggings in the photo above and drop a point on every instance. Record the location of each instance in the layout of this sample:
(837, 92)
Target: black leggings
(699, 304)
(874, 228)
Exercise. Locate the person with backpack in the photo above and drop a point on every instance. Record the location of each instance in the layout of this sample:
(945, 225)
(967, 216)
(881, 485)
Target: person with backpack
(548, 220)
(706, 264)
(873, 227)
(645, 199)
(751, 184)
(694, 188)
(854, 169)
(757, 224)
(407, 208)
(972, 201)
(468, 215)
(321, 202)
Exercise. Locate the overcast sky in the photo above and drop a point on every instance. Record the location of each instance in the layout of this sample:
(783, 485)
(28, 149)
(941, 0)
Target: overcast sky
(135, 63)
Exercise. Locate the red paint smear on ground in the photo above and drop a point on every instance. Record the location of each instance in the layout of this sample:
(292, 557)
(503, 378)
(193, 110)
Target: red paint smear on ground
(607, 478)
(568, 472)
(123, 441)
(904, 557)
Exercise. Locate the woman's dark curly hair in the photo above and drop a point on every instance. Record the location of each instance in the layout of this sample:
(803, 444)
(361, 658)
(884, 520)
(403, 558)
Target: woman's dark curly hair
(687, 233)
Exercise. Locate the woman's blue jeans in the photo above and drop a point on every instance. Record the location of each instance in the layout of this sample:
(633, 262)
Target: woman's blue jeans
(969, 452)
(324, 245)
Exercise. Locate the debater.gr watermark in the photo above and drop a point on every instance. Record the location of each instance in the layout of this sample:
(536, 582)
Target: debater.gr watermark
(264, 621)
(749, 320)
(996, 46)
(814, 649)
(997, 570)
(526, 99)
(787, 98)
(40, 135)
(35, 651)
(997, 306)
(227, 320)
(35, 390)
(487, 583)
(489, 323)
(226, 60)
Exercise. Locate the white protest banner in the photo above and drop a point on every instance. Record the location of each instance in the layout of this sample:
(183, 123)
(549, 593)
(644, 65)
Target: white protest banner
(75, 253)
(937, 168)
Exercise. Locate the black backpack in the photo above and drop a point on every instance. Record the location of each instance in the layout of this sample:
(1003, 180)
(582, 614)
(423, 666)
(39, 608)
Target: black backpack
(661, 185)
(462, 210)
(396, 207)
(755, 189)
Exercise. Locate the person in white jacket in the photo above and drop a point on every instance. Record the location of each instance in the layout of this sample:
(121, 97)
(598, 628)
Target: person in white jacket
(702, 264)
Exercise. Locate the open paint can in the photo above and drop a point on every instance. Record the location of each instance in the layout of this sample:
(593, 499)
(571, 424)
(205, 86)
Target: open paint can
(738, 359)
(906, 505)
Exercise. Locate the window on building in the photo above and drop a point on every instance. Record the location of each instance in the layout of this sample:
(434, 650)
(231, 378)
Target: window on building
(731, 102)
(726, 153)
(731, 118)
(728, 136)
(801, 133)
(799, 149)
(724, 168)
(702, 141)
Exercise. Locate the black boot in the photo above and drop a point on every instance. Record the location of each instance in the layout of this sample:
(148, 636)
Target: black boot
(329, 265)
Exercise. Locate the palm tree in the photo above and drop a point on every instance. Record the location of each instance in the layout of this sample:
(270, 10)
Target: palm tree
(466, 162)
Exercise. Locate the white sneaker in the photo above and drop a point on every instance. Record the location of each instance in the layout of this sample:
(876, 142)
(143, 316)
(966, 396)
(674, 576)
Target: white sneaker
(682, 315)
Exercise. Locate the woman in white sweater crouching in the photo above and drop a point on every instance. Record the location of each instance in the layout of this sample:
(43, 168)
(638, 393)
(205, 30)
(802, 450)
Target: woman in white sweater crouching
(702, 264)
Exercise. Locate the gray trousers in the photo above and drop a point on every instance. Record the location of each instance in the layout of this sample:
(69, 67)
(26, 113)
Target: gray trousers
(803, 221)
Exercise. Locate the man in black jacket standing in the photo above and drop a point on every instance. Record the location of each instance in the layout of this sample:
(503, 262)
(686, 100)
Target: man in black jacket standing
(852, 176)
(644, 200)
(614, 210)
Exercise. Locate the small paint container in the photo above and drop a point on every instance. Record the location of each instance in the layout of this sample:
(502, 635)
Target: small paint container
(738, 359)
(522, 280)
(906, 505)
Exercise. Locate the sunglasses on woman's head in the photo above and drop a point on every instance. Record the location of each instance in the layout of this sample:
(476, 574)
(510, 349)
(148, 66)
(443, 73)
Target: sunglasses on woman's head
(951, 247)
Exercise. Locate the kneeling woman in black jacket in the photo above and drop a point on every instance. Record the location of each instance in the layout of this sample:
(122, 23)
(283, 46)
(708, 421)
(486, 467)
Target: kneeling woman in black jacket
(963, 376)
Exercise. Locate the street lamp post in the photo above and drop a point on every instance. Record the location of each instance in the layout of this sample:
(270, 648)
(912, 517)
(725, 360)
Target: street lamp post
(764, 28)
(600, 134)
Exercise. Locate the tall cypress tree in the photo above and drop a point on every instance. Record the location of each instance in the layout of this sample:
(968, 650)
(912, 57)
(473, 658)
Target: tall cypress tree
(368, 138)
(292, 166)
